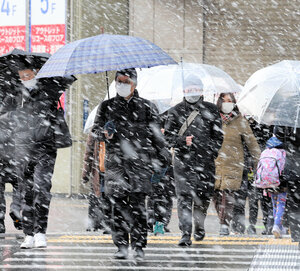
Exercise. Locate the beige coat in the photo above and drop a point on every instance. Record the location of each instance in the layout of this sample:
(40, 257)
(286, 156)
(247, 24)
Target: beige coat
(230, 161)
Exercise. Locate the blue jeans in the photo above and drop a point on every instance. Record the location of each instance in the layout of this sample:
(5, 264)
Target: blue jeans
(279, 201)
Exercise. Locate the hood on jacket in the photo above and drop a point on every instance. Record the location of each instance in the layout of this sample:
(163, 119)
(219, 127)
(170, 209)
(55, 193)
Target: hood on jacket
(274, 142)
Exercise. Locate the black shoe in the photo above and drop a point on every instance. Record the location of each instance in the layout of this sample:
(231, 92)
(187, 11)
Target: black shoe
(122, 253)
(185, 240)
(251, 229)
(2, 226)
(17, 221)
(267, 232)
(139, 254)
(106, 232)
(199, 236)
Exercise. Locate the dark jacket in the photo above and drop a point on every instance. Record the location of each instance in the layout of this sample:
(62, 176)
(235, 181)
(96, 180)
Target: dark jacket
(36, 115)
(137, 148)
(9, 99)
(292, 165)
(261, 132)
(194, 166)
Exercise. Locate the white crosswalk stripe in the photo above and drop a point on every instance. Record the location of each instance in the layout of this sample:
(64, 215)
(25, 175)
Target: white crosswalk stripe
(100, 257)
(163, 256)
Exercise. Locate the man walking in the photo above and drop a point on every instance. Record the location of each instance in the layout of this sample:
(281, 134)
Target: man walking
(129, 126)
(193, 129)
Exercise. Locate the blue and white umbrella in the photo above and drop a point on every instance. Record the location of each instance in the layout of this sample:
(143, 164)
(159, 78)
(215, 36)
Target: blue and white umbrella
(104, 52)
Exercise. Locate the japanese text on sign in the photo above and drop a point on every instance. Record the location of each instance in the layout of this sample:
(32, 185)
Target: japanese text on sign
(12, 25)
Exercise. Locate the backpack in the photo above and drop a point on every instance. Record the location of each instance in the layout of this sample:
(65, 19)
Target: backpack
(270, 166)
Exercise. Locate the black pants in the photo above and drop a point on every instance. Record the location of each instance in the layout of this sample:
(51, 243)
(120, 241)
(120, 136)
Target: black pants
(159, 205)
(238, 218)
(99, 211)
(7, 175)
(35, 172)
(190, 206)
(129, 217)
(256, 195)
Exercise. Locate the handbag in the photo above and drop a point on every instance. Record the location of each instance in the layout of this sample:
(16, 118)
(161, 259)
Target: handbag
(62, 136)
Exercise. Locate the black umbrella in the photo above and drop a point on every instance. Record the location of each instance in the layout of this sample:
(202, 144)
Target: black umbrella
(18, 59)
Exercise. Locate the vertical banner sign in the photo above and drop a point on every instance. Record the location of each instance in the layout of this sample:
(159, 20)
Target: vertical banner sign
(47, 25)
(48, 28)
(12, 25)
(85, 111)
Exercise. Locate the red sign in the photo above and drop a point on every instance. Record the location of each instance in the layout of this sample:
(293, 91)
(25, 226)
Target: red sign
(47, 38)
(12, 37)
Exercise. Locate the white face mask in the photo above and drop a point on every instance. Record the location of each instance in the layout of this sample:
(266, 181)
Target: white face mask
(30, 84)
(123, 90)
(227, 107)
(192, 99)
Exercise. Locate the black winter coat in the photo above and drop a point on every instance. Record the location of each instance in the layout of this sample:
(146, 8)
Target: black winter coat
(36, 115)
(137, 147)
(194, 165)
(292, 164)
(8, 104)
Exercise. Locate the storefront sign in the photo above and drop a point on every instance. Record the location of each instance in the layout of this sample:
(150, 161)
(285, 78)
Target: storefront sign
(12, 25)
(47, 25)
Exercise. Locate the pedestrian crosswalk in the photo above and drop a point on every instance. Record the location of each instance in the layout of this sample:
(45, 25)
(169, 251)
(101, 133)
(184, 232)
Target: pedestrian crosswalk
(95, 252)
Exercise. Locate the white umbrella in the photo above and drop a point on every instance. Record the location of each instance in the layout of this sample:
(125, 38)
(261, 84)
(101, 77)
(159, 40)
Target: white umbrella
(163, 85)
(272, 94)
(90, 120)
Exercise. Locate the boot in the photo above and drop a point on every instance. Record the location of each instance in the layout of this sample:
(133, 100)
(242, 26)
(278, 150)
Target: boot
(199, 235)
(122, 253)
(224, 230)
(185, 240)
(139, 254)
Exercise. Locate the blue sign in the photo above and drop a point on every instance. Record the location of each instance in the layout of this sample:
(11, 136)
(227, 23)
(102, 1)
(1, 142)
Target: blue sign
(85, 111)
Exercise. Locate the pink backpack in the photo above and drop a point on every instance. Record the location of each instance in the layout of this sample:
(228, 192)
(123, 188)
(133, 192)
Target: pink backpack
(269, 168)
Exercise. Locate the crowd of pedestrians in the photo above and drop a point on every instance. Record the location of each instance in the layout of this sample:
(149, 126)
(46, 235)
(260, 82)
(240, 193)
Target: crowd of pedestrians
(213, 156)
(137, 161)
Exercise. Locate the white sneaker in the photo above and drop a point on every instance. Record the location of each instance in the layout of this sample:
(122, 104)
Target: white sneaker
(40, 240)
(28, 242)
(276, 232)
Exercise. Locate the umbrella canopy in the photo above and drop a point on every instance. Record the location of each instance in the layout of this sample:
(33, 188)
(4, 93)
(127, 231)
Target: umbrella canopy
(90, 120)
(18, 59)
(104, 53)
(272, 95)
(11, 62)
(164, 85)
(14, 58)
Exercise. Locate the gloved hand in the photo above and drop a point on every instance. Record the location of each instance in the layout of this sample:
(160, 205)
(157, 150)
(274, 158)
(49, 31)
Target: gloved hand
(110, 128)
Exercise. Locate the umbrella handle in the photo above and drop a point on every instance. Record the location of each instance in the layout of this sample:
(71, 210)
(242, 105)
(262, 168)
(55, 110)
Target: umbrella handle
(107, 85)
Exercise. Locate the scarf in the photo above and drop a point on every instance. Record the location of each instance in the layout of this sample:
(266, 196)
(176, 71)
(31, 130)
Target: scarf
(227, 118)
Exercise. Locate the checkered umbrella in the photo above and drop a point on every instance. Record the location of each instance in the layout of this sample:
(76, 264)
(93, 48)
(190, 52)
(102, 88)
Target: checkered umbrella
(104, 52)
